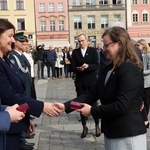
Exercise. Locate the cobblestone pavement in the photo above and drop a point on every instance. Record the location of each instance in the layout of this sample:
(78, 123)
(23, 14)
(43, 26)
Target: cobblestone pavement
(63, 132)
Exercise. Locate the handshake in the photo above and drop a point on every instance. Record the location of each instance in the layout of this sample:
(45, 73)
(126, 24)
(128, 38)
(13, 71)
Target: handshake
(56, 108)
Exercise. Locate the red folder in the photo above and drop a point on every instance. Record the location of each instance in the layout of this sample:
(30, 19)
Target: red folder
(76, 105)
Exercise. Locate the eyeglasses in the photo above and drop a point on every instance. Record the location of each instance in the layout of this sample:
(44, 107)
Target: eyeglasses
(106, 45)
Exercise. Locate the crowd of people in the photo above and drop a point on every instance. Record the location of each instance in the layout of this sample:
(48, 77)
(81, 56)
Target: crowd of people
(117, 73)
(57, 61)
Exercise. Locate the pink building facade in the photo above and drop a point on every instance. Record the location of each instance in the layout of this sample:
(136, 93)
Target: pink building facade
(138, 14)
(52, 22)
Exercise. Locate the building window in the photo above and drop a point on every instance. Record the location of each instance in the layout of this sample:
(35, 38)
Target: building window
(21, 24)
(91, 22)
(90, 2)
(60, 7)
(103, 2)
(77, 22)
(51, 7)
(104, 21)
(76, 2)
(43, 25)
(61, 25)
(135, 18)
(145, 2)
(116, 2)
(52, 25)
(134, 2)
(117, 17)
(3, 5)
(42, 7)
(19, 4)
(145, 17)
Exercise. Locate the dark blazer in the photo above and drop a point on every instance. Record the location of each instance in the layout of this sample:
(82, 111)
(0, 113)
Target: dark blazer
(4, 126)
(87, 77)
(121, 99)
(12, 91)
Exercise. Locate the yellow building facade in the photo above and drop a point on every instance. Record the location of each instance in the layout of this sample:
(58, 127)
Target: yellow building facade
(22, 15)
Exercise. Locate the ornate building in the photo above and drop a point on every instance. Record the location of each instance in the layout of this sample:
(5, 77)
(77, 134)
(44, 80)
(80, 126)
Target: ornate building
(52, 23)
(139, 19)
(93, 17)
(21, 14)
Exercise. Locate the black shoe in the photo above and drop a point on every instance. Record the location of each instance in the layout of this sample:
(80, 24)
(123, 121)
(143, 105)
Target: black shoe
(97, 131)
(84, 133)
(29, 144)
(30, 136)
(26, 147)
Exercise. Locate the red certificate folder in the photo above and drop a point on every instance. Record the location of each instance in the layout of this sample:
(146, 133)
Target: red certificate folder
(76, 105)
(23, 107)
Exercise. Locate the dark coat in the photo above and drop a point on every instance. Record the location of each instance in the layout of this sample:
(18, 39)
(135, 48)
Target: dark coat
(87, 77)
(12, 91)
(4, 126)
(121, 99)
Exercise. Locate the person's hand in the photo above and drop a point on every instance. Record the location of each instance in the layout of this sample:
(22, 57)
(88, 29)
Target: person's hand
(31, 129)
(51, 110)
(142, 106)
(85, 111)
(85, 66)
(60, 106)
(15, 115)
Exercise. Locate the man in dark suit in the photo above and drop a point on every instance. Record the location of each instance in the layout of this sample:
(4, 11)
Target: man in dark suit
(40, 61)
(85, 63)
(102, 60)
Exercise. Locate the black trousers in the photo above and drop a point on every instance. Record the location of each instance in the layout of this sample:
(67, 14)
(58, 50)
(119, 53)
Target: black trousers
(81, 91)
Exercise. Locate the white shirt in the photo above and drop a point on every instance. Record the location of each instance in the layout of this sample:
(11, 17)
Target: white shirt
(31, 61)
(83, 51)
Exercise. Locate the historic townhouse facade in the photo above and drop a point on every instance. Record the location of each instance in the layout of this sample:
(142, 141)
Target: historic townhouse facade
(21, 14)
(52, 23)
(139, 19)
(93, 17)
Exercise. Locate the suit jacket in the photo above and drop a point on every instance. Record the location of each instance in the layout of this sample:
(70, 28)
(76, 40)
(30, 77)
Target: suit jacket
(12, 91)
(87, 77)
(121, 99)
(4, 126)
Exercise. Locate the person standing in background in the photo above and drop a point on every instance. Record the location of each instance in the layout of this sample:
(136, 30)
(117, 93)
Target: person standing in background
(29, 58)
(84, 64)
(145, 49)
(58, 65)
(70, 60)
(50, 59)
(102, 59)
(65, 58)
(40, 61)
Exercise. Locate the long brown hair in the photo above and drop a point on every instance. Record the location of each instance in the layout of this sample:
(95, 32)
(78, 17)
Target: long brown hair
(127, 50)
